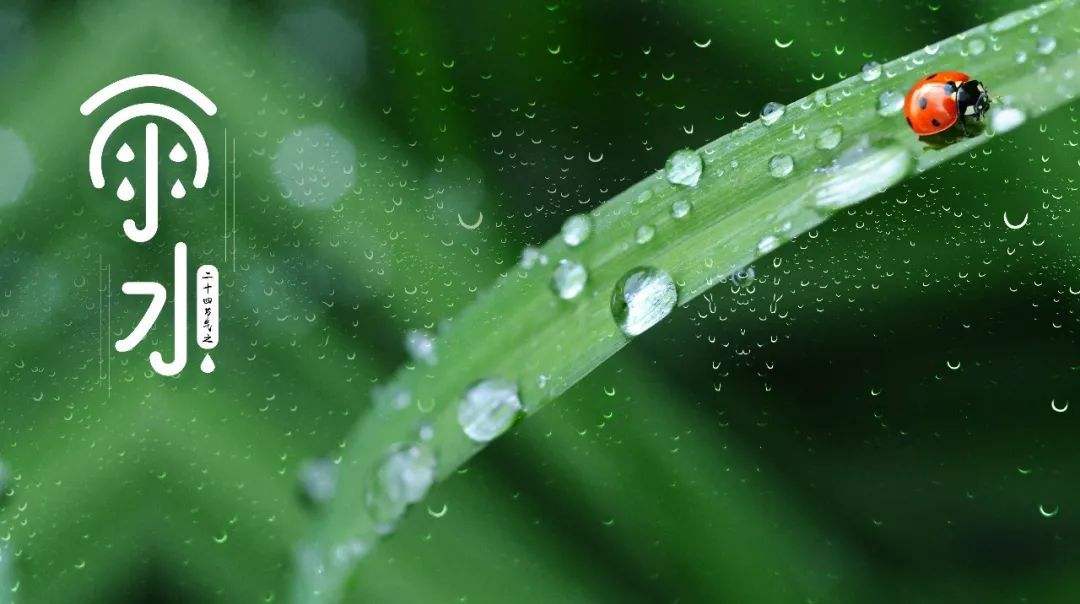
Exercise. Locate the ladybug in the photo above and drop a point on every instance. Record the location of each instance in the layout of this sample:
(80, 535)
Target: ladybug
(942, 99)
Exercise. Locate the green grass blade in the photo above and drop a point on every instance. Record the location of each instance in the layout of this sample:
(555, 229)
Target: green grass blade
(742, 208)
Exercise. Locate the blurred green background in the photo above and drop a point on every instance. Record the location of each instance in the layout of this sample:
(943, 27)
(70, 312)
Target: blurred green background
(867, 419)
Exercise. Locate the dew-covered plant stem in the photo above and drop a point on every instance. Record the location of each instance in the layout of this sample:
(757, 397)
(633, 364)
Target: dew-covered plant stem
(616, 272)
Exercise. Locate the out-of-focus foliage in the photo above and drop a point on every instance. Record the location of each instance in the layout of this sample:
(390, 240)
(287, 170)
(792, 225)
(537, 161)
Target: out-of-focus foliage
(869, 417)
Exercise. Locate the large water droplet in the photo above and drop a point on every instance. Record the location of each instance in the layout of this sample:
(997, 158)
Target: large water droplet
(1045, 45)
(207, 364)
(781, 165)
(860, 172)
(871, 71)
(178, 154)
(178, 191)
(771, 113)
(488, 409)
(421, 346)
(403, 477)
(889, 103)
(318, 480)
(125, 192)
(829, 138)
(642, 298)
(125, 153)
(1006, 119)
(683, 168)
(568, 279)
(576, 229)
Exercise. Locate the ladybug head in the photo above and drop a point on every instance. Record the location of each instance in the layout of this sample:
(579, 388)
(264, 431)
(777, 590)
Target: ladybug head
(972, 99)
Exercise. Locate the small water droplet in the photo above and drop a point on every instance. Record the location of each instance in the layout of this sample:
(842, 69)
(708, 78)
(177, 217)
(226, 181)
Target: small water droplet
(125, 153)
(890, 102)
(125, 192)
(829, 138)
(568, 279)
(644, 234)
(178, 154)
(781, 166)
(976, 46)
(403, 477)
(178, 191)
(871, 71)
(743, 278)
(680, 208)
(318, 480)
(420, 345)
(207, 365)
(642, 298)
(576, 229)
(771, 113)
(683, 168)
(1020, 56)
(1045, 45)
(488, 409)
(1006, 119)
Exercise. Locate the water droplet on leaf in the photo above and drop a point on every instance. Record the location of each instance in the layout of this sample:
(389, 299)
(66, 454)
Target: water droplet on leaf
(683, 168)
(642, 298)
(680, 208)
(771, 113)
(576, 229)
(1006, 119)
(318, 480)
(829, 138)
(890, 102)
(421, 346)
(860, 172)
(781, 165)
(1045, 45)
(488, 409)
(871, 71)
(403, 477)
(568, 279)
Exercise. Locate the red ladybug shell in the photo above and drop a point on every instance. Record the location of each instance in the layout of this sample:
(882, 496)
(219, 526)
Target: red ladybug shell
(930, 105)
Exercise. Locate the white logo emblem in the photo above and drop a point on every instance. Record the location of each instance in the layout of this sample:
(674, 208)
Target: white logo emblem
(126, 191)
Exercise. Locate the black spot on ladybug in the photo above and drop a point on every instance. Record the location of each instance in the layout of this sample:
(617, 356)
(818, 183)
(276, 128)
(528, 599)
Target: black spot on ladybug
(932, 76)
(922, 102)
(950, 88)
(935, 122)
